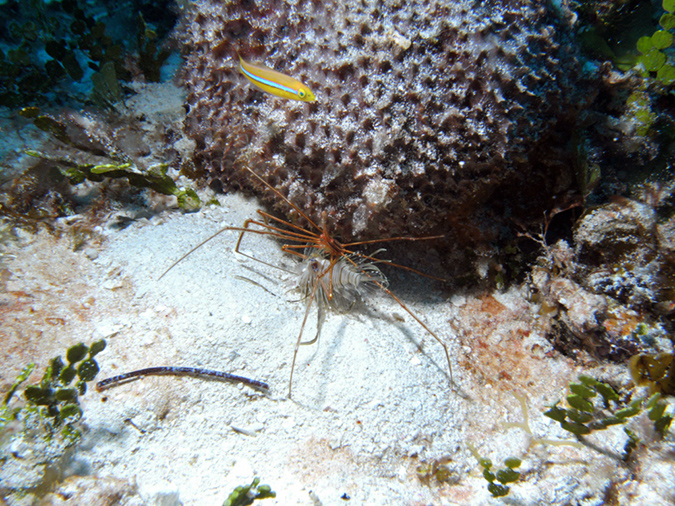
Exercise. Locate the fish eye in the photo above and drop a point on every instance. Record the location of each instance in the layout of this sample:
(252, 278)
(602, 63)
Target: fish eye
(301, 93)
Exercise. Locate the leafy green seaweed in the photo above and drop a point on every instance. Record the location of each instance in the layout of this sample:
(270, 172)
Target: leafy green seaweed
(244, 495)
(55, 398)
(503, 476)
(589, 412)
(653, 59)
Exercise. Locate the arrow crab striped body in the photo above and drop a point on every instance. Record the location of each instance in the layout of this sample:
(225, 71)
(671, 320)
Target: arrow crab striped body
(350, 280)
(338, 287)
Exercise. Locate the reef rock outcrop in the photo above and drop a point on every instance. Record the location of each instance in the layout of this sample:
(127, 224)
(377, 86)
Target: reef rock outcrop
(434, 116)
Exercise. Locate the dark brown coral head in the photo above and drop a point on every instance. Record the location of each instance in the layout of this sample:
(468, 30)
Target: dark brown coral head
(424, 111)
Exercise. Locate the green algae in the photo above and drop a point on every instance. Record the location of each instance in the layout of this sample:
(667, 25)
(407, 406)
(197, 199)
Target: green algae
(586, 413)
(244, 495)
(504, 476)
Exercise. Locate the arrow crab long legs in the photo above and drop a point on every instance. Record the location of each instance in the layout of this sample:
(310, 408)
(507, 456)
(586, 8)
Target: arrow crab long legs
(331, 273)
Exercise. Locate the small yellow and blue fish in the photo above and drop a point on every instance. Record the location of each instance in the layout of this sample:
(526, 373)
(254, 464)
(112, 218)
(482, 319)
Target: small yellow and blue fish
(276, 83)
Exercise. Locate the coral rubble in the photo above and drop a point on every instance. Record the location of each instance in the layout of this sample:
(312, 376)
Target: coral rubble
(613, 289)
(433, 117)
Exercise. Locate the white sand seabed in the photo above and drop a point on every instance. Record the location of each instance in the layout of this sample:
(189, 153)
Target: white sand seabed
(364, 398)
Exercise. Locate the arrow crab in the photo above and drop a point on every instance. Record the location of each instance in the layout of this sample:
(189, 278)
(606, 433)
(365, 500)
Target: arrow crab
(330, 273)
